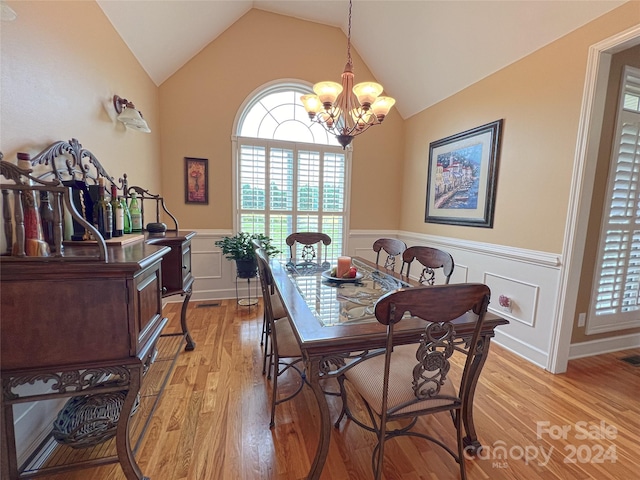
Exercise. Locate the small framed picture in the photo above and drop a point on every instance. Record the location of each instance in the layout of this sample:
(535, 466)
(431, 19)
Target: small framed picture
(196, 180)
(462, 177)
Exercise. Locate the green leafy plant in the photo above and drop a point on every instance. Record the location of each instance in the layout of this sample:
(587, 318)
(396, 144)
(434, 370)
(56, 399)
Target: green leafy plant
(240, 246)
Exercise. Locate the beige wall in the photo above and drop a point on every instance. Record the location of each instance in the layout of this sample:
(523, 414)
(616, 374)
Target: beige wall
(62, 62)
(539, 98)
(200, 102)
(631, 57)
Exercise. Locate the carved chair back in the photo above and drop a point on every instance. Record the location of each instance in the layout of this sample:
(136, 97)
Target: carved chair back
(311, 247)
(431, 259)
(393, 249)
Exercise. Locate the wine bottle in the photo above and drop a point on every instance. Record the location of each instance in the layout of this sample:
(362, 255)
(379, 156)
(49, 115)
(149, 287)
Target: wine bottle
(102, 214)
(117, 214)
(127, 216)
(136, 213)
(46, 218)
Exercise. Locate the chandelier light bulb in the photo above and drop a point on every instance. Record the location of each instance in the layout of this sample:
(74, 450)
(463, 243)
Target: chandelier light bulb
(367, 92)
(381, 107)
(312, 104)
(327, 92)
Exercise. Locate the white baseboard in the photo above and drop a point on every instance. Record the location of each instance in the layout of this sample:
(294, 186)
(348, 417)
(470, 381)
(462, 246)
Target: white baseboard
(604, 345)
(527, 352)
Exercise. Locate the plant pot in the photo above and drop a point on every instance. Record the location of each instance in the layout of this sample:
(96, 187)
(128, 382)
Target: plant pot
(246, 268)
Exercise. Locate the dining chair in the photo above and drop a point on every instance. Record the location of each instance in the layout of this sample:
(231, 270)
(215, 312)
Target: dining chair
(393, 249)
(312, 251)
(410, 378)
(431, 260)
(278, 312)
(284, 352)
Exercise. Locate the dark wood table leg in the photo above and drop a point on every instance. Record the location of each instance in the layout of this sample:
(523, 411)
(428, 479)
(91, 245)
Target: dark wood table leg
(123, 443)
(471, 442)
(313, 376)
(8, 464)
(183, 321)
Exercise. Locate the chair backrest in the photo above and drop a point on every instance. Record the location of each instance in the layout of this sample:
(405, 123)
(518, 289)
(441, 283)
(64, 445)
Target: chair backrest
(431, 259)
(266, 280)
(392, 247)
(437, 305)
(311, 242)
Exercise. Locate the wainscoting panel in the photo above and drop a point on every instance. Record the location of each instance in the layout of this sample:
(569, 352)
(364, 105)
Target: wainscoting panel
(513, 299)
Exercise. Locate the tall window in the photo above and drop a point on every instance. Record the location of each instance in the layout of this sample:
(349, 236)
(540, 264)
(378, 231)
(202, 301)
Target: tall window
(291, 175)
(617, 285)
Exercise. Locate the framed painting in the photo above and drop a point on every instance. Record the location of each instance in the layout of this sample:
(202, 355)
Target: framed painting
(462, 177)
(196, 180)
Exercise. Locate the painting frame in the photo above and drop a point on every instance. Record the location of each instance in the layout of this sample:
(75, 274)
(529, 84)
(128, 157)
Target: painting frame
(462, 177)
(196, 180)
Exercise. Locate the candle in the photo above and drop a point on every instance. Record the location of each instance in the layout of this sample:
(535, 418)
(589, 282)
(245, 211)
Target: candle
(344, 264)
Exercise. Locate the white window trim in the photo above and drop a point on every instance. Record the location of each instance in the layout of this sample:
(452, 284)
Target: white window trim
(618, 321)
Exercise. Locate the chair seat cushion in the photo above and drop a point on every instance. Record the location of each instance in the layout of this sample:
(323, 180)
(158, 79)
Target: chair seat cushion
(277, 306)
(287, 343)
(367, 377)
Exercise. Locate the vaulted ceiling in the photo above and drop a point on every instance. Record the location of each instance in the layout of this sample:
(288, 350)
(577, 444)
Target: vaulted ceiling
(422, 51)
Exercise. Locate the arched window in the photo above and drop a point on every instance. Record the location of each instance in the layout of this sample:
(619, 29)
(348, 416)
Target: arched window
(292, 176)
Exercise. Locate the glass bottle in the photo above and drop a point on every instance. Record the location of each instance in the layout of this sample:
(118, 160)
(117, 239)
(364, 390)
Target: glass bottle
(127, 216)
(102, 213)
(136, 213)
(46, 219)
(118, 215)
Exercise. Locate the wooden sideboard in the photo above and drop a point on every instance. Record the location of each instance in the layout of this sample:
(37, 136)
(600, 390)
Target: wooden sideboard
(177, 278)
(85, 321)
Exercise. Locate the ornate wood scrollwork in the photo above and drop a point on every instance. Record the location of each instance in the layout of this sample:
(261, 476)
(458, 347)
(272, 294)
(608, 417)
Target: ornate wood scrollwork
(72, 380)
(436, 347)
(75, 165)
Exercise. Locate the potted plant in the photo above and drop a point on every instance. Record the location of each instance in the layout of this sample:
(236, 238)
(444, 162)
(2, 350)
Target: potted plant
(240, 248)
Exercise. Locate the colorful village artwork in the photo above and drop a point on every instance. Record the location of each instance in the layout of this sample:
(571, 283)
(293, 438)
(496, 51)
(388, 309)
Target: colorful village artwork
(458, 177)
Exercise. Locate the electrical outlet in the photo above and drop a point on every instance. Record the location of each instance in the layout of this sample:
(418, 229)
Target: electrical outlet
(582, 319)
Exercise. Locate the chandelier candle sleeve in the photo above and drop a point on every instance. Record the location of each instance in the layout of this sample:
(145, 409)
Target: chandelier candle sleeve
(344, 264)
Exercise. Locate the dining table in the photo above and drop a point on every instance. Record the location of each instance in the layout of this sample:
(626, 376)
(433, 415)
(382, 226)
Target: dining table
(334, 322)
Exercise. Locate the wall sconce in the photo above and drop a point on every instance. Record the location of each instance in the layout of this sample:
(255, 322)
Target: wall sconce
(8, 14)
(129, 115)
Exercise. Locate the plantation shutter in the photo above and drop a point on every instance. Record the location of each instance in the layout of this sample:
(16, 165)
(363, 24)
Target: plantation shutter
(292, 175)
(617, 292)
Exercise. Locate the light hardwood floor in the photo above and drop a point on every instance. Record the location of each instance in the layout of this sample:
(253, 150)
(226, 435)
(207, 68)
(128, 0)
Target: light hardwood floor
(213, 421)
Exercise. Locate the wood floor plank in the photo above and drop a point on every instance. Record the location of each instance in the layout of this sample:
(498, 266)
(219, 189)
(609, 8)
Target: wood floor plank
(213, 420)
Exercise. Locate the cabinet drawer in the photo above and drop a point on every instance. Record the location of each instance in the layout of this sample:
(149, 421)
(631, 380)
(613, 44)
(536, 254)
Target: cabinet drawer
(148, 306)
(63, 321)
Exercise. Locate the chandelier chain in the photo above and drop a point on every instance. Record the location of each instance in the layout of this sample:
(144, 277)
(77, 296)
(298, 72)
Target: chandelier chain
(349, 36)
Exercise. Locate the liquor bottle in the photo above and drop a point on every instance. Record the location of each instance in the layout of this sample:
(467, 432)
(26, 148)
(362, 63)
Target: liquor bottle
(127, 216)
(118, 213)
(34, 246)
(136, 213)
(46, 218)
(102, 214)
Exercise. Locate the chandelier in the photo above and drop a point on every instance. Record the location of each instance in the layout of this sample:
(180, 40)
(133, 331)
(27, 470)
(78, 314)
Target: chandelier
(346, 110)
